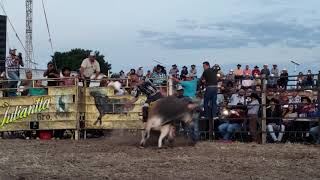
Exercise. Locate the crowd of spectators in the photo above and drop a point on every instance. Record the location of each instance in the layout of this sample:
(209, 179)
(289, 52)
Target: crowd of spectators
(231, 98)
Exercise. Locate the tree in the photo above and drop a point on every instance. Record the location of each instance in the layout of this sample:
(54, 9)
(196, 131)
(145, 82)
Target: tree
(74, 58)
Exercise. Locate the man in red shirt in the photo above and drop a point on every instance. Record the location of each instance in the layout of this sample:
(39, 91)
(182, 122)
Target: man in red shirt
(256, 71)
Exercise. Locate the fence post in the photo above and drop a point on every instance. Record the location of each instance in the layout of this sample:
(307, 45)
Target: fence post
(170, 88)
(264, 111)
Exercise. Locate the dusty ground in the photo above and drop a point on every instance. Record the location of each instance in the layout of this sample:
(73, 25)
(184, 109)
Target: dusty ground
(119, 158)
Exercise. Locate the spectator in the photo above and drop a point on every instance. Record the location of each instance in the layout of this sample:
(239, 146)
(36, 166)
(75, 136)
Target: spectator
(209, 77)
(247, 71)
(27, 83)
(158, 77)
(132, 72)
(180, 92)
(67, 80)
(257, 79)
(247, 82)
(295, 99)
(289, 115)
(258, 89)
(140, 72)
(272, 82)
(237, 98)
(89, 67)
(231, 75)
(256, 71)
(189, 85)
(13, 63)
(193, 71)
(238, 73)
(220, 73)
(184, 72)
(235, 119)
(51, 73)
(174, 71)
(300, 80)
(275, 70)
(284, 79)
(265, 72)
(149, 74)
(253, 114)
(274, 121)
(38, 89)
(309, 79)
(122, 75)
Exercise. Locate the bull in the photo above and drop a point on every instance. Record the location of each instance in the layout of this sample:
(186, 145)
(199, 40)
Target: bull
(163, 114)
(107, 105)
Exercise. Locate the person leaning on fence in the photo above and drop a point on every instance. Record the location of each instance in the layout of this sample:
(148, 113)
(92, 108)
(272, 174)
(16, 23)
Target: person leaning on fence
(209, 77)
(51, 73)
(149, 89)
(90, 66)
(253, 115)
(67, 80)
(274, 120)
(26, 83)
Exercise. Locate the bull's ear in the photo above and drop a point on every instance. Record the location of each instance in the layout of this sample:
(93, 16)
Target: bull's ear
(192, 106)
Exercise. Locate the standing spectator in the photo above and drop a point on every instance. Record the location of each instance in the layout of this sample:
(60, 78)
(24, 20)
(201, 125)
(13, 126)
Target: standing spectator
(256, 71)
(253, 114)
(140, 72)
(158, 77)
(189, 86)
(235, 119)
(238, 73)
(184, 72)
(309, 79)
(265, 72)
(174, 71)
(247, 70)
(284, 79)
(90, 66)
(209, 77)
(51, 73)
(122, 75)
(275, 70)
(272, 82)
(193, 71)
(274, 121)
(13, 63)
(149, 74)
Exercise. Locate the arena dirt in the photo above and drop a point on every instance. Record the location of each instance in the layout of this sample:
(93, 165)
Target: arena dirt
(117, 157)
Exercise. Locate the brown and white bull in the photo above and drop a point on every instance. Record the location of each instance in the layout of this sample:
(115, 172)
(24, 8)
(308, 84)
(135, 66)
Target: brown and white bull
(163, 113)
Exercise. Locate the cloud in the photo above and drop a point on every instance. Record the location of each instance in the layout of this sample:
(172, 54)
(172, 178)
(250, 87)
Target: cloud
(194, 35)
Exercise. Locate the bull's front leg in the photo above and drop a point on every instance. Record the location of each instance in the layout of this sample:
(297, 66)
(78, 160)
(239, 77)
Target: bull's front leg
(165, 130)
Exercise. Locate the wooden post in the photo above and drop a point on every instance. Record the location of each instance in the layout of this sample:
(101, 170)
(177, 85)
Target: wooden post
(264, 111)
(170, 86)
(76, 132)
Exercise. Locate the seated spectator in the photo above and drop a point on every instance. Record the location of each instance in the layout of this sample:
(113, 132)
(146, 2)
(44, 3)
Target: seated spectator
(67, 80)
(295, 99)
(289, 115)
(274, 121)
(284, 98)
(38, 89)
(247, 82)
(27, 83)
(306, 108)
(284, 79)
(237, 98)
(300, 81)
(265, 72)
(258, 90)
(253, 114)
(272, 82)
(234, 121)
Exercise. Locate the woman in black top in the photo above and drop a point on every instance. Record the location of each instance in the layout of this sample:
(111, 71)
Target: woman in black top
(51, 73)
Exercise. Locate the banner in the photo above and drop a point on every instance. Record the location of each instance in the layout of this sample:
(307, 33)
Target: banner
(105, 110)
(56, 110)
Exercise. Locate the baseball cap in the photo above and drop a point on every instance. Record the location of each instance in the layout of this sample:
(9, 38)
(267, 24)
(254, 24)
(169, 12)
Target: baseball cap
(92, 54)
(179, 88)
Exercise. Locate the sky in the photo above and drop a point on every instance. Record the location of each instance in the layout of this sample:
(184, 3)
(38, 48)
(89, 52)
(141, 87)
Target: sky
(135, 33)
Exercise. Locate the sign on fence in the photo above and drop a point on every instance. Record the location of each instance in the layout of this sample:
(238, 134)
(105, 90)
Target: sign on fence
(105, 110)
(56, 110)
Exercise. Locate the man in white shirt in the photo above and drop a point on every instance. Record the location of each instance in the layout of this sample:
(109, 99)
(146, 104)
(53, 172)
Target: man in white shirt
(295, 99)
(237, 98)
(90, 66)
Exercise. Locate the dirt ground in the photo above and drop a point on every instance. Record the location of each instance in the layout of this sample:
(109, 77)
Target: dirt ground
(119, 158)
